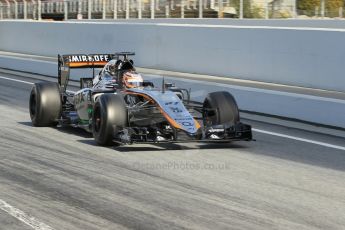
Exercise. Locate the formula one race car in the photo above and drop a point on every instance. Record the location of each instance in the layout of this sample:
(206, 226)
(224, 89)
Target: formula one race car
(119, 107)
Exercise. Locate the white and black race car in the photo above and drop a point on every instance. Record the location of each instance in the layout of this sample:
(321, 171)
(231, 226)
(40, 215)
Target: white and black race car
(118, 107)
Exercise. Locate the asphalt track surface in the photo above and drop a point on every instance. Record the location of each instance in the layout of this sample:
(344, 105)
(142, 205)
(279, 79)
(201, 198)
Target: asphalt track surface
(59, 179)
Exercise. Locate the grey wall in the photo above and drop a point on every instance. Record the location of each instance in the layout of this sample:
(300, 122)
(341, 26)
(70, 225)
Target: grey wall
(308, 57)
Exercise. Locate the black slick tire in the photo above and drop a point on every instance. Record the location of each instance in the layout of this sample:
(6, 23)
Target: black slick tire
(109, 116)
(45, 104)
(220, 108)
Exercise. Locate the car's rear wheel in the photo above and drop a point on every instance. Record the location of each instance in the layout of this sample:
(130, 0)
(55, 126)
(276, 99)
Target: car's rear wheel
(220, 108)
(109, 116)
(45, 104)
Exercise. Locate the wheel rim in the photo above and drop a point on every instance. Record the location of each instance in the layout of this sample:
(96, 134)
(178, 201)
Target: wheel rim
(210, 117)
(33, 104)
(97, 119)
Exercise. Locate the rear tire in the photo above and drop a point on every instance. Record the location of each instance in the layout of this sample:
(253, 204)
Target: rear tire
(220, 108)
(45, 104)
(109, 115)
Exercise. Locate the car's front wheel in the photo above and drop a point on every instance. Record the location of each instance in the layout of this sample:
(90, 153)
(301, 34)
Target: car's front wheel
(220, 108)
(109, 115)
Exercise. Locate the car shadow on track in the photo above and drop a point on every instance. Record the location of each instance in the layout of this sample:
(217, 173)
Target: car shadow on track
(26, 123)
(68, 130)
(74, 131)
(167, 146)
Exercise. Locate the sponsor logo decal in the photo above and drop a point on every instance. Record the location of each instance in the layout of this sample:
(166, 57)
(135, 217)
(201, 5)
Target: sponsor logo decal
(89, 58)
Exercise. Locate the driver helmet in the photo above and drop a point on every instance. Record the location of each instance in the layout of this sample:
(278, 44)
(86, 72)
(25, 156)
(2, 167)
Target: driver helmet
(132, 79)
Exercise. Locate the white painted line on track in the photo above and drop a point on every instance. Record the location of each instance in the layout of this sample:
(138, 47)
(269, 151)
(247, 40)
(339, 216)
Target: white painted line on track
(255, 130)
(25, 82)
(11, 79)
(23, 217)
(300, 139)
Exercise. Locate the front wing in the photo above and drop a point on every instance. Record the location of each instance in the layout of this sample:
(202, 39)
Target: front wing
(219, 133)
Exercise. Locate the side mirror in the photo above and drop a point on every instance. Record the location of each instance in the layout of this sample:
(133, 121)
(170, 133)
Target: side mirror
(169, 85)
(148, 84)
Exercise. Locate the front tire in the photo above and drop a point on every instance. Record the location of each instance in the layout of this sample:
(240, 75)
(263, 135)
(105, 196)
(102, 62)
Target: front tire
(220, 108)
(45, 104)
(109, 116)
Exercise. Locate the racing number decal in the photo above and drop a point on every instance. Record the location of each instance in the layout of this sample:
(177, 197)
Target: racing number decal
(171, 103)
(174, 109)
(187, 123)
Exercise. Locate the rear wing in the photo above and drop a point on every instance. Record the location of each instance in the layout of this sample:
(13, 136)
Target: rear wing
(85, 60)
(79, 61)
